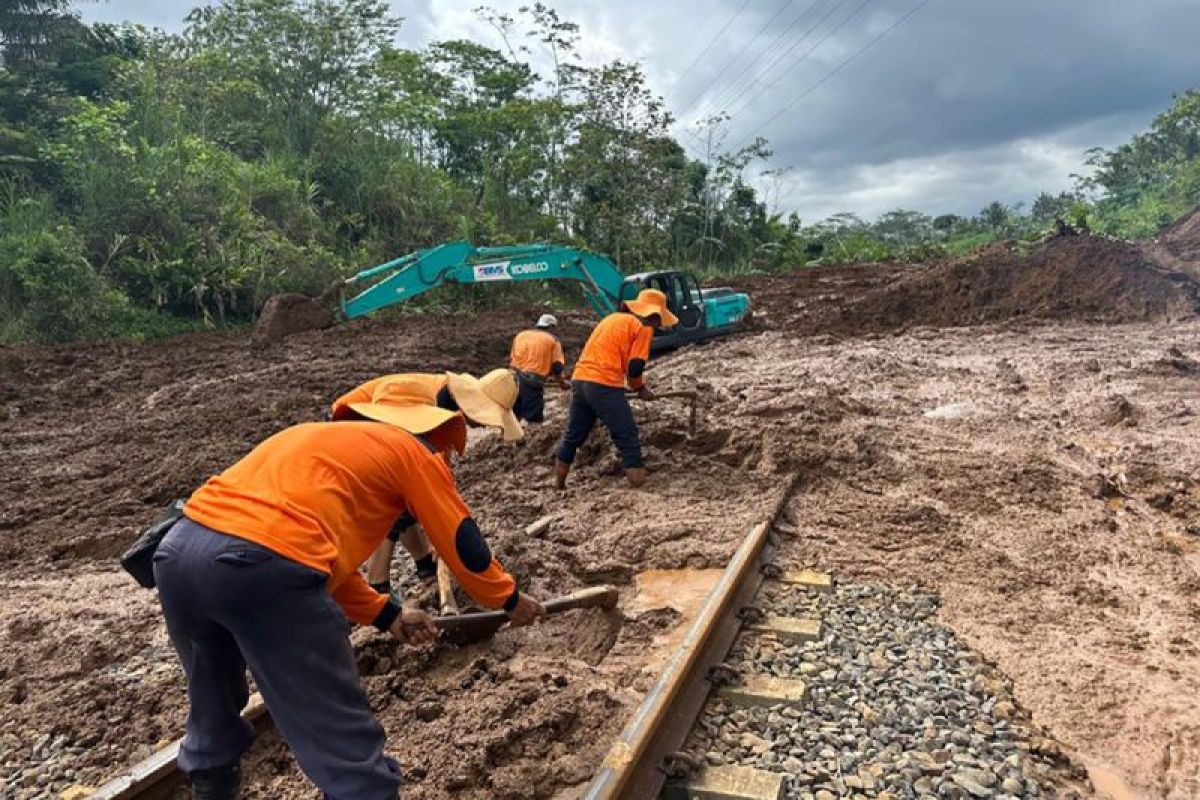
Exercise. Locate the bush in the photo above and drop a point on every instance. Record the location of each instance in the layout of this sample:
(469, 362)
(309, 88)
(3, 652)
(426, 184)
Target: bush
(51, 291)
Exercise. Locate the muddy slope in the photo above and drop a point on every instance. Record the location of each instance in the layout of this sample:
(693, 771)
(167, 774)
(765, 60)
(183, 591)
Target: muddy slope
(1178, 245)
(1065, 278)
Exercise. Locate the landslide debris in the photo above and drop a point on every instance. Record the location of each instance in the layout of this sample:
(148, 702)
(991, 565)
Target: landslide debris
(1076, 277)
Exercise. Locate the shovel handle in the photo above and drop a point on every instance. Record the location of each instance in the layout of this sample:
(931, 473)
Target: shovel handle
(595, 596)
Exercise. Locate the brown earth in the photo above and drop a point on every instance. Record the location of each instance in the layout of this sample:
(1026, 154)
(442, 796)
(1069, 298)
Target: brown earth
(995, 464)
(287, 314)
(1178, 245)
(1076, 277)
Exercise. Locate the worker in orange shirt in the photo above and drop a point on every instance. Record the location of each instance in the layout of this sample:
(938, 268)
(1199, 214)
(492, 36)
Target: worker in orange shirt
(615, 355)
(262, 572)
(486, 401)
(537, 356)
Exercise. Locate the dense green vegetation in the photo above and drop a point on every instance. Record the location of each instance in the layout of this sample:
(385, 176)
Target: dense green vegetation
(151, 182)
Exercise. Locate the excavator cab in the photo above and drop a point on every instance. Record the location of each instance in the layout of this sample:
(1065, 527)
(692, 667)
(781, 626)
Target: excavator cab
(703, 313)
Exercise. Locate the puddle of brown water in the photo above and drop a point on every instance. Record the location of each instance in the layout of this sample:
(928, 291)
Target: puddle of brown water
(1108, 783)
(684, 590)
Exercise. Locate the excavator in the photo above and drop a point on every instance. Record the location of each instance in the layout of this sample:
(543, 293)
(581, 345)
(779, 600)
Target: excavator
(703, 313)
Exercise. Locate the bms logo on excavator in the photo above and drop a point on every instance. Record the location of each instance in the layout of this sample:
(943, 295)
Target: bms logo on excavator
(496, 271)
(501, 271)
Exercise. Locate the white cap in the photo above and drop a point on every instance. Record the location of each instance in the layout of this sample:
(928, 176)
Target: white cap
(547, 321)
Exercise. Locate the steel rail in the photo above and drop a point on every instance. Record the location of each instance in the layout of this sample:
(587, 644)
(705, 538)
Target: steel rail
(633, 767)
(158, 776)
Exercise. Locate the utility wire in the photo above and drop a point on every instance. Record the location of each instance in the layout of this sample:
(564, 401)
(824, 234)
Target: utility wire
(785, 53)
(803, 56)
(731, 91)
(686, 107)
(713, 41)
(829, 75)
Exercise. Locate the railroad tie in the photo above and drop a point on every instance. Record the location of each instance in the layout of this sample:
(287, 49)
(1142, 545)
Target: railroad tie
(766, 691)
(729, 783)
(794, 629)
(809, 579)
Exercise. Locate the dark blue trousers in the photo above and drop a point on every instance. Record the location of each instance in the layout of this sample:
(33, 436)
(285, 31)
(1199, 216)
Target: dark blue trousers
(591, 401)
(229, 604)
(531, 397)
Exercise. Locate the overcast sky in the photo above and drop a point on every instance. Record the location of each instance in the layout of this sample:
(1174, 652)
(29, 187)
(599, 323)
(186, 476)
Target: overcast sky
(962, 103)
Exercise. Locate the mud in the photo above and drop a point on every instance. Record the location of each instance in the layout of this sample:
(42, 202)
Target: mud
(964, 459)
(1067, 278)
(284, 315)
(98, 438)
(1178, 245)
(1088, 599)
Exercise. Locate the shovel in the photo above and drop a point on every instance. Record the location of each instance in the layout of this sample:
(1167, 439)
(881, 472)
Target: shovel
(463, 628)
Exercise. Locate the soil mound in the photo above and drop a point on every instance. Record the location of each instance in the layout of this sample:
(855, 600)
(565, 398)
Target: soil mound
(285, 314)
(1178, 245)
(1066, 277)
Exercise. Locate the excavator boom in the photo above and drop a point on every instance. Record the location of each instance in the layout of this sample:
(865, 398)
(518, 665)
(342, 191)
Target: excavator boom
(703, 313)
(406, 277)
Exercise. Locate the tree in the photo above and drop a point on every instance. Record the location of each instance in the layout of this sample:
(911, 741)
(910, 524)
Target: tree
(901, 228)
(304, 60)
(1047, 207)
(945, 224)
(997, 216)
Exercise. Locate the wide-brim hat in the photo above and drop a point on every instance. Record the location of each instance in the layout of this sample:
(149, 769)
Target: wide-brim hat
(652, 301)
(488, 400)
(406, 404)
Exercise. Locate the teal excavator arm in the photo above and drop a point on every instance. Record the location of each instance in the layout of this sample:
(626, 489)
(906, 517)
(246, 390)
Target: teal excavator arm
(461, 262)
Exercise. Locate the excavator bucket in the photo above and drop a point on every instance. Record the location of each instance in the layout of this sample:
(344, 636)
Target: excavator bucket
(285, 314)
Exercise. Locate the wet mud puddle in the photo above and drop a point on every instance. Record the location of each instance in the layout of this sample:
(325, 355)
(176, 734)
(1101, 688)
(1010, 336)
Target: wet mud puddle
(1108, 783)
(683, 590)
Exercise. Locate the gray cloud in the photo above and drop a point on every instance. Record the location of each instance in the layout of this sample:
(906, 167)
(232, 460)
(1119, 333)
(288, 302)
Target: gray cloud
(966, 102)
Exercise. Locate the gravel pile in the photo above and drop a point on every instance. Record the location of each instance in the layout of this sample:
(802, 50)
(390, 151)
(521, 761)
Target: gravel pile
(897, 708)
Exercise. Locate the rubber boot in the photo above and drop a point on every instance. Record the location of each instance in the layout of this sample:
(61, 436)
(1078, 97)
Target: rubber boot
(220, 783)
(636, 476)
(560, 474)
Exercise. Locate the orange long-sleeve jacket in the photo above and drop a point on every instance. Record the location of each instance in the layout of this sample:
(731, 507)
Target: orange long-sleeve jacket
(537, 351)
(324, 494)
(616, 352)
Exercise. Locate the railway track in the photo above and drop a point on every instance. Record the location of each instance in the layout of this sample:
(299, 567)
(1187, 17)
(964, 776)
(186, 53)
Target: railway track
(646, 760)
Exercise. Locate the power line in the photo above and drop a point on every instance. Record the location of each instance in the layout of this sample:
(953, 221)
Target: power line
(713, 41)
(725, 96)
(686, 107)
(803, 58)
(784, 54)
(829, 75)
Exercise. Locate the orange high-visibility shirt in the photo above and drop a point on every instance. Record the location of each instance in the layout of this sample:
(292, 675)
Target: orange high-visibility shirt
(617, 340)
(536, 351)
(324, 494)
